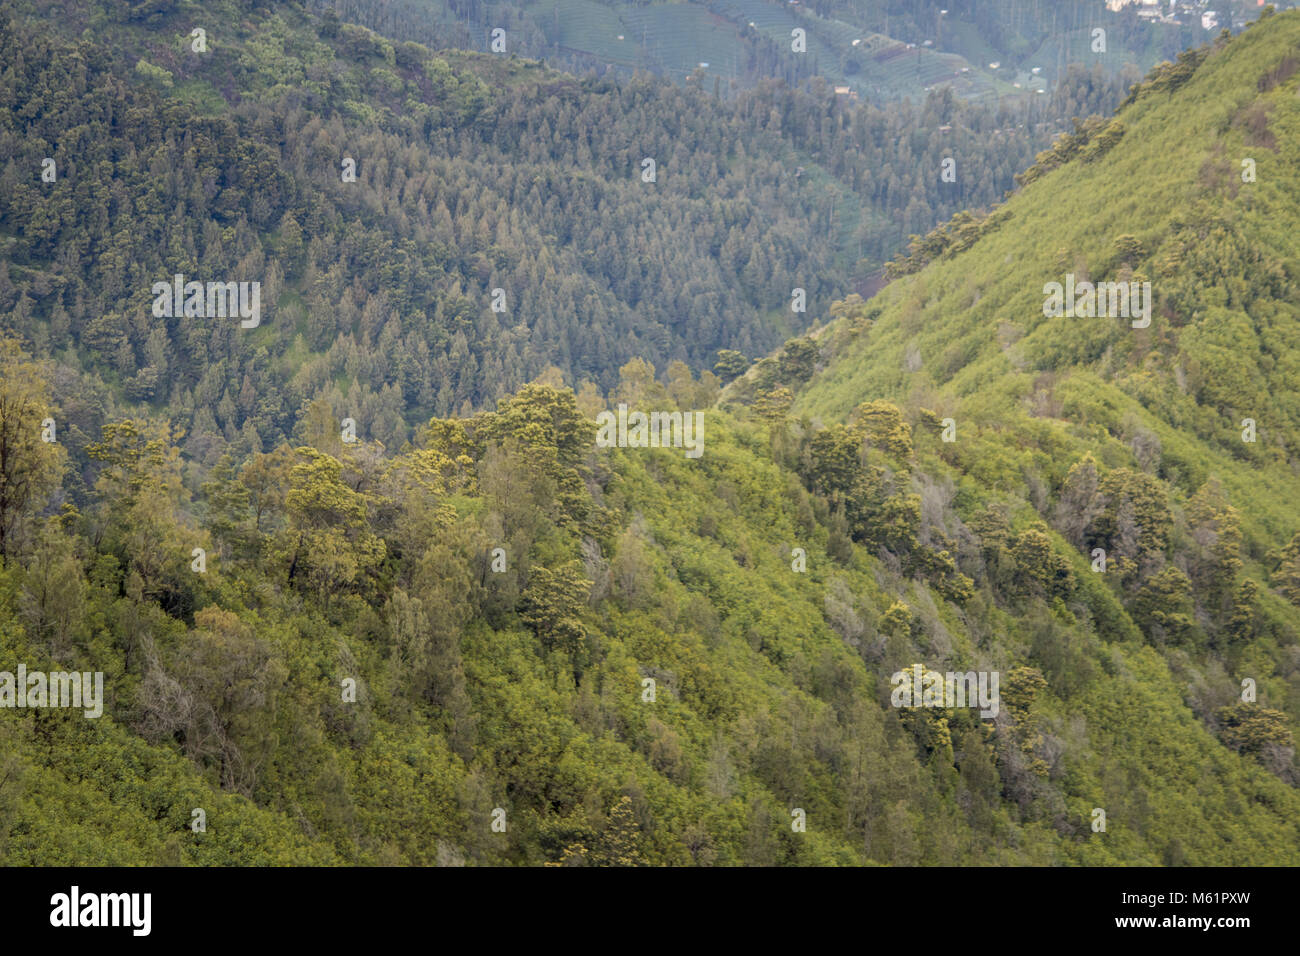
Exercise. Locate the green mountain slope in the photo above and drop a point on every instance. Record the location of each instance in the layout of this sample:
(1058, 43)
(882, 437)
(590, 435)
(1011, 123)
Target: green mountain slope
(440, 654)
(1208, 580)
(1166, 204)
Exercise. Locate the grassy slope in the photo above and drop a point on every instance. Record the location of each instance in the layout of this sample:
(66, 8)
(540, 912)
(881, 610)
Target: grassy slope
(969, 307)
(985, 346)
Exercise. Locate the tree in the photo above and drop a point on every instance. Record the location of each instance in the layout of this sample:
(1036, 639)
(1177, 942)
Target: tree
(320, 429)
(217, 698)
(632, 571)
(619, 843)
(53, 598)
(1135, 519)
(772, 405)
(328, 539)
(1039, 565)
(731, 365)
(881, 424)
(1163, 606)
(29, 466)
(1216, 533)
(547, 439)
(1287, 573)
(266, 476)
(1020, 689)
(881, 515)
(543, 417)
(834, 462)
(1241, 624)
(1252, 729)
(142, 512)
(551, 606)
(1079, 504)
(228, 517)
(798, 361)
(681, 385)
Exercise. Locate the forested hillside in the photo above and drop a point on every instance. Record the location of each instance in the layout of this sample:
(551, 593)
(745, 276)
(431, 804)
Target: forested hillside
(499, 642)
(472, 174)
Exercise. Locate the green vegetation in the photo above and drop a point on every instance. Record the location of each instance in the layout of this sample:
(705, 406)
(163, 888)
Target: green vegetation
(472, 173)
(392, 640)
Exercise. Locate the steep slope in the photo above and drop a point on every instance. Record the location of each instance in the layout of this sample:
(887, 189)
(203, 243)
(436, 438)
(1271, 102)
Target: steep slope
(1173, 448)
(1166, 203)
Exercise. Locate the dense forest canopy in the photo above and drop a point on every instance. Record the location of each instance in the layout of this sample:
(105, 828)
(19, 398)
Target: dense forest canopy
(496, 221)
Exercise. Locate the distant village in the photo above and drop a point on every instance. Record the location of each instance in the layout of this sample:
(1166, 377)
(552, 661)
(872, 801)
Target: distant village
(1212, 15)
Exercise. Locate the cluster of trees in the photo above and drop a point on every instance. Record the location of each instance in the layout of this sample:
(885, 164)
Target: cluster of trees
(385, 652)
(1174, 577)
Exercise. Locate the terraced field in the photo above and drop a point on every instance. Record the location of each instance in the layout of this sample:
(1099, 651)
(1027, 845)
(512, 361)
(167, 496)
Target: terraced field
(763, 15)
(680, 36)
(1075, 46)
(673, 37)
(676, 37)
(592, 28)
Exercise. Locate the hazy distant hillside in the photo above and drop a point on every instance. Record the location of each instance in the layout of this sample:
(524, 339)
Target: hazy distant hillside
(883, 49)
